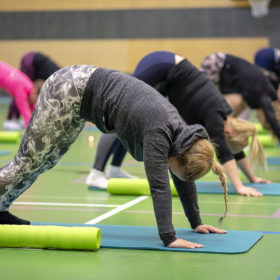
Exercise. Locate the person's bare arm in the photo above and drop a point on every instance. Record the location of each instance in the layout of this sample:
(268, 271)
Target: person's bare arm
(233, 175)
(245, 167)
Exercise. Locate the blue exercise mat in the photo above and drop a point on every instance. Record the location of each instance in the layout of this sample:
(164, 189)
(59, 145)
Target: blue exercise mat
(215, 187)
(146, 238)
(4, 153)
(273, 160)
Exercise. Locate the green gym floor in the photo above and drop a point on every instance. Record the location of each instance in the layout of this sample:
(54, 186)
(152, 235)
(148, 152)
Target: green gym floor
(60, 195)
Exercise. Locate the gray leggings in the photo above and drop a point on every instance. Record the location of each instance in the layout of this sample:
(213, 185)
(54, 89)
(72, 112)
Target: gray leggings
(54, 126)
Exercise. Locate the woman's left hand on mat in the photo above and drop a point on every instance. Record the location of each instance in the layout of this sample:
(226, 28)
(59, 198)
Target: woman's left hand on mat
(208, 229)
(258, 180)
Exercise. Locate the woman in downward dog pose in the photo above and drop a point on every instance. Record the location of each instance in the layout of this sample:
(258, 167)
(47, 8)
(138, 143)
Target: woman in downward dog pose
(149, 127)
(250, 87)
(199, 102)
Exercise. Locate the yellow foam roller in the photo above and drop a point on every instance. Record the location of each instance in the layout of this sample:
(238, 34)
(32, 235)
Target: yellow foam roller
(133, 186)
(9, 136)
(56, 237)
(268, 141)
(261, 130)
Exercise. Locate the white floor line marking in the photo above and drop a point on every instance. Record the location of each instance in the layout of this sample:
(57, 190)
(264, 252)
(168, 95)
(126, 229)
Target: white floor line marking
(66, 204)
(117, 210)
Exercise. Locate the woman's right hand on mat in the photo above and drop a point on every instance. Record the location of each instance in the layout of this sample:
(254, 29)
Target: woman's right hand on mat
(247, 191)
(208, 229)
(181, 243)
(258, 180)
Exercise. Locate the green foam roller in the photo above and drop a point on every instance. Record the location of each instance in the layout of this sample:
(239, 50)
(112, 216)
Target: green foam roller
(55, 237)
(268, 141)
(133, 187)
(9, 136)
(261, 130)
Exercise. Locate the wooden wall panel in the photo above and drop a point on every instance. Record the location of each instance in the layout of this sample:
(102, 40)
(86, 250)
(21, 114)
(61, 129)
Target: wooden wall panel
(123, 55)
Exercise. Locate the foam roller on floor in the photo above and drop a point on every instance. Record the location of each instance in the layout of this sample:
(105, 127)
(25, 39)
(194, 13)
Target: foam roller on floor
(56, 237)
(9, 136)
(268, 141)
(261, 130)
(132, 186)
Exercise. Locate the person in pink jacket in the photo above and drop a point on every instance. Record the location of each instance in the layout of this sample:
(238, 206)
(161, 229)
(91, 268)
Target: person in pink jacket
(19, 86)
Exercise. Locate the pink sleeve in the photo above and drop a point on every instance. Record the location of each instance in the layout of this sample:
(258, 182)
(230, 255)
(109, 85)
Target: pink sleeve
(21, 97)
(19, 86)
(11, 79)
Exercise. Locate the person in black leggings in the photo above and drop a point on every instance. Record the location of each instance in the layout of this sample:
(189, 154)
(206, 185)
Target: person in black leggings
(198, 101)
(149, 127)
(108, 145)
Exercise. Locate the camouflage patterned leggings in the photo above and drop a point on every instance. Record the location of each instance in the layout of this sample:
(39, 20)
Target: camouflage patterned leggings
(53, 127)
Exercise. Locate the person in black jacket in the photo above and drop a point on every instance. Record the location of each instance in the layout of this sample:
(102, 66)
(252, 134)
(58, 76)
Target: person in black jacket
(198, 102)
(236, 75)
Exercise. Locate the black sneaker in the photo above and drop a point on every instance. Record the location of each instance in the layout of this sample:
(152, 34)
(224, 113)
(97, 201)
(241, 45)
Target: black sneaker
(6, 218)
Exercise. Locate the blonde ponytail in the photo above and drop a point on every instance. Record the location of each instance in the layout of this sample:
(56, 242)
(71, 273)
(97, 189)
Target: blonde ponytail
(257, 156)
(218, 170)
(242, 130)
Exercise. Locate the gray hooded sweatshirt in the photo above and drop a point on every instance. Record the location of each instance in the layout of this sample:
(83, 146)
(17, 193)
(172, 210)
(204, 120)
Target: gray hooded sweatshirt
(151, 130)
